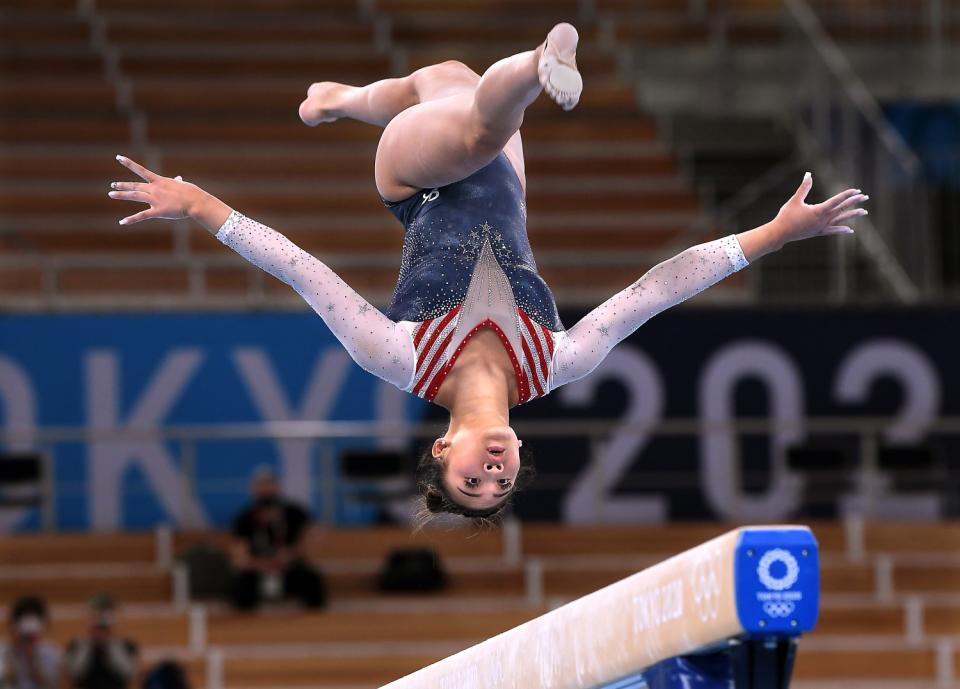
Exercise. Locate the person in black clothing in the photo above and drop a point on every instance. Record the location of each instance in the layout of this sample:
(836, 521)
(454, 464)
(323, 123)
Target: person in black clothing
(267, 552)
(101, 660)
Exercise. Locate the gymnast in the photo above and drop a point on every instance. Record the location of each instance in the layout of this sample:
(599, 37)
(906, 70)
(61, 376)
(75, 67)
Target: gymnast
(472, 326)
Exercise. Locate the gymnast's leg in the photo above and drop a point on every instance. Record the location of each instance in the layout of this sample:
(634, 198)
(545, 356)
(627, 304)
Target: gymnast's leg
(381, 101)
(445, 139)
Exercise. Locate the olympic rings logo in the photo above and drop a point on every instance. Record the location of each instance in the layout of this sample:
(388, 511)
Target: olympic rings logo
(779, 608)
(778, 583)
(705, 584)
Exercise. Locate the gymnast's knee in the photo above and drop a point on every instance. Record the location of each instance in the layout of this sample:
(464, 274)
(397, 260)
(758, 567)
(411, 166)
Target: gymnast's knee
(440, 77)
(486, 136)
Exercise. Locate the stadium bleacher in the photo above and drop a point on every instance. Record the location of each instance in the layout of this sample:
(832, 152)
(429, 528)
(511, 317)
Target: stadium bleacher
(217, 104)
(891, 599)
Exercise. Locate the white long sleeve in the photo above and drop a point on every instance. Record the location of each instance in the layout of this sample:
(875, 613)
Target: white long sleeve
(378, 344)
(585, 345)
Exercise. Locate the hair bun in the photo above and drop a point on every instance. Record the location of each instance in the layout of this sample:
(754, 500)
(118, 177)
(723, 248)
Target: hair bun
(434, 499)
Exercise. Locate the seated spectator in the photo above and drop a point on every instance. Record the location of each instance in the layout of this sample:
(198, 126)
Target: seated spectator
(101, 660)
(27, 660)
(267, 551)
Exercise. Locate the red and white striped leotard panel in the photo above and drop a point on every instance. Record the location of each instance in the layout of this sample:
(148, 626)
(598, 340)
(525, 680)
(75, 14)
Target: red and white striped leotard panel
(489, 303)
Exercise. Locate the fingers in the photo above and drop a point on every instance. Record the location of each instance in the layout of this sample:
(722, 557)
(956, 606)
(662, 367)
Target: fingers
(129, 186)
(140, 196)
(853, 213)
(137, 217)
(844, 199)
(137, 169)
(804, 188)
(838, 229)
(850, 202)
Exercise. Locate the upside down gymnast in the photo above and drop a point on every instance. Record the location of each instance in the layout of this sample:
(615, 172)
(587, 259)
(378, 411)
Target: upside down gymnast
(472, 326)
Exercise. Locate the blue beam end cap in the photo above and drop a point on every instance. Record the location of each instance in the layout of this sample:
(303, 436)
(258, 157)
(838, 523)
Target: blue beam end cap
(777, 580)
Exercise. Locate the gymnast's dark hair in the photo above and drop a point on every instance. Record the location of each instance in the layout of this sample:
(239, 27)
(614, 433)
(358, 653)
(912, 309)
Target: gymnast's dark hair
(435, 499)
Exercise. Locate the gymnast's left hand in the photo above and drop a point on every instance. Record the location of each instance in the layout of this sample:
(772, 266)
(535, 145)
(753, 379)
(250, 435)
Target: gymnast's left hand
(169, 198)
(799, 220)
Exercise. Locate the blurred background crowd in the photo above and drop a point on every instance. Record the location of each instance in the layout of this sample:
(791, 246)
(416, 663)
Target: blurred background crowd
(196, 484)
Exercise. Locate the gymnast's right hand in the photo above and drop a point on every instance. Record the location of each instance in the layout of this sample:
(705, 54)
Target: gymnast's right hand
(168, 197)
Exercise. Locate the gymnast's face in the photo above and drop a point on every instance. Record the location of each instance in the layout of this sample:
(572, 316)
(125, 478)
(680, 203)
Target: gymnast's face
(480, 465)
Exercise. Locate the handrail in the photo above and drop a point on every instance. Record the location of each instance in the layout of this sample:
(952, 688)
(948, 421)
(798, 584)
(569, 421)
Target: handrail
(949, 425)
(861, 97)
(838, 121)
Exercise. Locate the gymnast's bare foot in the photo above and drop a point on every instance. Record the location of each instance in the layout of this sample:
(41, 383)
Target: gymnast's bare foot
(557, 67)
(322, 103)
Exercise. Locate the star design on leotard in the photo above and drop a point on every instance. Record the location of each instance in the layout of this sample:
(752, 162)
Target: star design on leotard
(638, 287)
(604, 331)
(363, 309)
(486, 226)
(293, 261)
(330, 307)
(703, 260)
(474, 236)
(396, 360)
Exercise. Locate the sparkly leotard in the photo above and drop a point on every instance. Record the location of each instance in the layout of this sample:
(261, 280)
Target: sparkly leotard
(467, 265)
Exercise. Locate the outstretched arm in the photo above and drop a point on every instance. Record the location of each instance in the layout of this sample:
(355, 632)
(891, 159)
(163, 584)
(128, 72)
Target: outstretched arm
(376, 343)
(585, 345)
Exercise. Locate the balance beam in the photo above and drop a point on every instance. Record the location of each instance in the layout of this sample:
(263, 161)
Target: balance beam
(749, 581)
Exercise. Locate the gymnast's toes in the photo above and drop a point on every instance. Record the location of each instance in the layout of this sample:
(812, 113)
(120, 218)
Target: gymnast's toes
(557, 68)
(320, 104)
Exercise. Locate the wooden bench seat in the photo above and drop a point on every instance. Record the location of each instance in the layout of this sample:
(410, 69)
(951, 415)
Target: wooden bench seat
(169, 630)
(288, 7)
(865, 620)
(469, 7)
(50, 29)
(36, 96)
(130, 587)
(20, 281)
(367, 626)
(81, 242)
(168, 30)
(547, 540)
(374, 542)
(133, 547)
(328, 670)
(669, 34)
(848, 578)
(886, 664)
(907, 537)
(66, 130)
(60, 7)
(127, 281)
(307, 68)
(943, 620)
(919, 578)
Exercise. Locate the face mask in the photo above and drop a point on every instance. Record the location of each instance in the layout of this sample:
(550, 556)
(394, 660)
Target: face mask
(30, 625)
